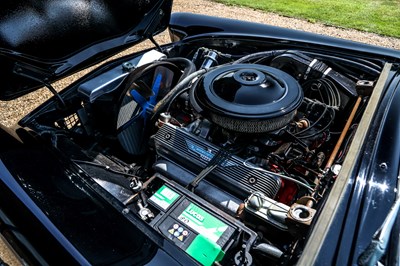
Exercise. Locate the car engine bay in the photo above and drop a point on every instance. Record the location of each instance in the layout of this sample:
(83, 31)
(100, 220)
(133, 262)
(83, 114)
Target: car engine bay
(221, 150)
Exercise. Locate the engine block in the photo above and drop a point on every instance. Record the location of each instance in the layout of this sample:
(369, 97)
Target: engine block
(194, 154)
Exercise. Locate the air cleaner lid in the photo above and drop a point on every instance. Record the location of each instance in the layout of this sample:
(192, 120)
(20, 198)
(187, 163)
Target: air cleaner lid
(247, 91)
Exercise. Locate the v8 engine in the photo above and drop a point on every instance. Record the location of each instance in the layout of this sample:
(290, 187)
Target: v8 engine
(216, 148)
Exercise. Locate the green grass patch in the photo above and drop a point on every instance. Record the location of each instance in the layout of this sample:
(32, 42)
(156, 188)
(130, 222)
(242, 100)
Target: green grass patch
(377, 16)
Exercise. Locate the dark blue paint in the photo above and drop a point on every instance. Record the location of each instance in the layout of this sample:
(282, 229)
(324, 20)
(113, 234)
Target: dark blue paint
(12, 184)
(185, 25)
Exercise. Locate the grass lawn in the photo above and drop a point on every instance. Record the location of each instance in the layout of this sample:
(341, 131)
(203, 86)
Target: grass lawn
(378, 16)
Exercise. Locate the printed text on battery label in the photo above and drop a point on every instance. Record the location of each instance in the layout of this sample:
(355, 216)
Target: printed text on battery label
(202, 222)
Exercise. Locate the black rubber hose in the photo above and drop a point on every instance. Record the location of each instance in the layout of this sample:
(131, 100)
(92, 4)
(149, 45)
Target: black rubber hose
(362, 64)
(189, 66)
(139, 72)
(182, 84)
(264, 54)
(163, 103)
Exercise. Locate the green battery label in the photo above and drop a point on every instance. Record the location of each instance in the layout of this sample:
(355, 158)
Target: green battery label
(203, 222)
(164, 197)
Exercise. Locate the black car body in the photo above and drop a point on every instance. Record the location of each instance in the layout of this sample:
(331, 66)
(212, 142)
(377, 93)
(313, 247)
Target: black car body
(235, 144)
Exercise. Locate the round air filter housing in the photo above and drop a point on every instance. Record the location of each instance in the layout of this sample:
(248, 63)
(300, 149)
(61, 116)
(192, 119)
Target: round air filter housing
(247, 98)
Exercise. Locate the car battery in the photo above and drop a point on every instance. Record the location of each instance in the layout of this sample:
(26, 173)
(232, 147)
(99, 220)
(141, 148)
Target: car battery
(194, 227)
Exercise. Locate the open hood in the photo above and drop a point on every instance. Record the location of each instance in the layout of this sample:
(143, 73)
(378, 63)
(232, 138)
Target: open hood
(43, 41)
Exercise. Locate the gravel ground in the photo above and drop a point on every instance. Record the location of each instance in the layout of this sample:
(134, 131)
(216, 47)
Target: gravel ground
(6, 255)
(12, 111)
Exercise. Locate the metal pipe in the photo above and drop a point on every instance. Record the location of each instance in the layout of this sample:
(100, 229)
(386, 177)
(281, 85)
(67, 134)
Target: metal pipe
(343, 134)
(337, 146)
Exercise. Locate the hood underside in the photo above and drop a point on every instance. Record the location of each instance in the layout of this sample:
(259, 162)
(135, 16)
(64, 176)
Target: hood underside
(43, 41)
